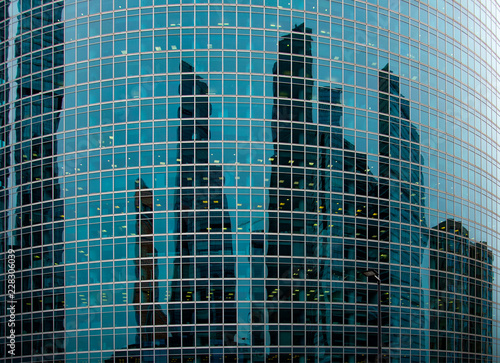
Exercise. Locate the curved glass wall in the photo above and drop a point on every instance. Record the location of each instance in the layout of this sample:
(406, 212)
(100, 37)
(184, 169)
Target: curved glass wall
(187, 181)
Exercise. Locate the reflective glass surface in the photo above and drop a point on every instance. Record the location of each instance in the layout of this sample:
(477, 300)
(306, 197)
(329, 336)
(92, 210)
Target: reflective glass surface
(190, 181)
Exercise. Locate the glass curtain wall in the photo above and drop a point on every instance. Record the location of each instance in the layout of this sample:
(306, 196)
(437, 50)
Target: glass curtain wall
(208, 181)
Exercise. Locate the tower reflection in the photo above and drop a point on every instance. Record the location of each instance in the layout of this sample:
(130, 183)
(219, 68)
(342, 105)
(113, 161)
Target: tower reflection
(205, 230)
(149, 316)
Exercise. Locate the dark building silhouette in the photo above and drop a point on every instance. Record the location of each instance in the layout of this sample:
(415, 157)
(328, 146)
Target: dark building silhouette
(461, 279)
(400, 201)
(308, 146)
(394, 122)
(149, 316)
(204, 228)
(150, 319)
(36, 209)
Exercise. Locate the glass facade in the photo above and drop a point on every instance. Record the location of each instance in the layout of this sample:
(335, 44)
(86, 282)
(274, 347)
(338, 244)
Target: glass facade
(190, 181)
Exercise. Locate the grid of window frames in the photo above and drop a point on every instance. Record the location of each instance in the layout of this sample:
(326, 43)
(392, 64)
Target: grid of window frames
(208, 181)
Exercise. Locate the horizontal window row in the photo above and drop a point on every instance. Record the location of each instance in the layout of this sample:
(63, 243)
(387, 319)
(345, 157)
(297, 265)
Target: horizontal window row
(242, 17)
(246, 40)
(131, 66)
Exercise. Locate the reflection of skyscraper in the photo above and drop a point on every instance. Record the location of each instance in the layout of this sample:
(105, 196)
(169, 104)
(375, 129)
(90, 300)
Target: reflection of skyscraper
(201, 183)
(150, 318)
(461, 280)
(393, 206)
(293, 112)
(400, 157)
(204, 228)
(151, 321)
(30, 114)
(299, 205)
(293, 84)
(310, 196)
